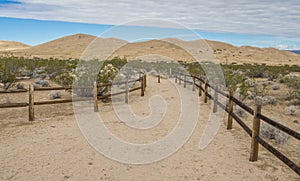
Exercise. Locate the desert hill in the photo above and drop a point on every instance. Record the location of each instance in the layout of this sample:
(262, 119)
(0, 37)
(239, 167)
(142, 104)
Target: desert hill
(12, 45)
(65, 47)
(73, 47)
(148, 49)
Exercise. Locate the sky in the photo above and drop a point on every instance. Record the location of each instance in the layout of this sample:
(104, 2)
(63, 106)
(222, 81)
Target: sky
(262, 23)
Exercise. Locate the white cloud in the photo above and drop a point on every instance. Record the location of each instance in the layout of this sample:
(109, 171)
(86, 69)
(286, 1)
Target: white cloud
(255, 17)
(288, 47)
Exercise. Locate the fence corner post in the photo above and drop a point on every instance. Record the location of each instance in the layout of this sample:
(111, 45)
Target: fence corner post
(230, 110)
(31, 102)
(95, 91)
(255, 131)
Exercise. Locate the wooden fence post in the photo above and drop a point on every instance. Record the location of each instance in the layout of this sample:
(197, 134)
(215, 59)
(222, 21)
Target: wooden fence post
(179, 79)
(95, 91)
(200, 90)
(158, 77)
(255, 132)
(205, 92)
(176, 78)
(143, 85)
(193, 84)
(215, 106)
(184, 83)
(31, 102)
(140, 77)
(126, 90)
(145, 81)
(230, 110)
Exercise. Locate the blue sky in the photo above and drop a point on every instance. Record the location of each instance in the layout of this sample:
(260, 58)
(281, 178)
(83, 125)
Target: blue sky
(256, 23)
(9, 2)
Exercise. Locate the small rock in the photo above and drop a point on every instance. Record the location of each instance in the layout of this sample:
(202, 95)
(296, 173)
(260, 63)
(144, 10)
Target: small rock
(54, 95)
(296, 121)
(276, 87)
(66, 176)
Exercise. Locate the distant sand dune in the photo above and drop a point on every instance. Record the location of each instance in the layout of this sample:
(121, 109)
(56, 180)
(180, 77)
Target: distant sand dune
(73, 46)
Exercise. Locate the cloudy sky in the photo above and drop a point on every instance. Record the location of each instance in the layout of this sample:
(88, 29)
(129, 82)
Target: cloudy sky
(270, 18)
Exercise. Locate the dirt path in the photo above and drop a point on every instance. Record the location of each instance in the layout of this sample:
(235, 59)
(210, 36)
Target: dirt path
(53, 147)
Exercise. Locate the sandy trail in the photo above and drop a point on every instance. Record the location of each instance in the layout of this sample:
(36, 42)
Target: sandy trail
(53, 148)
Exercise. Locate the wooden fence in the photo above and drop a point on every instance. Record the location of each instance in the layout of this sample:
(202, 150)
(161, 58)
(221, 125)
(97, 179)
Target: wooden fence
(254, 133)
(31, 103)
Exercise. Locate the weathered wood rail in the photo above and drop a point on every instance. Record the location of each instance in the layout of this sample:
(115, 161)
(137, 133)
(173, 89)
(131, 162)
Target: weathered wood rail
(257, 117)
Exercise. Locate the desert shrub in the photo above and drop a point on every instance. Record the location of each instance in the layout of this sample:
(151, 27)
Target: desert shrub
(91, 71)
(52, 75)
(270, 132)
(43, 76)
(251, 95)
(260, 90)
(257, 72)
(240, 112)
(291, 110)
(117, 62)
(54, 95)
(293, 84)
(232, 79)
(244, 88)
(7, 74)
(269, 100)
(106, 75)
(20, 85)
(42, 83)
(64, 79)
(11, 67)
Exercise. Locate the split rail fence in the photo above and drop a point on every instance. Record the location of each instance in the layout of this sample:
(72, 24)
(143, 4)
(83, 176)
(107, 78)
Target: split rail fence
(203, 88)
(96, 97)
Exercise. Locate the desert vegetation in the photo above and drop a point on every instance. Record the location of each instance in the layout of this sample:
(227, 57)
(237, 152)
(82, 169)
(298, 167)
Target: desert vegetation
(246, 80)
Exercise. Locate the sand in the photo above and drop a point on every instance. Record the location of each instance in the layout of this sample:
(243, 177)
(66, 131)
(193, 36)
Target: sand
(53, 147)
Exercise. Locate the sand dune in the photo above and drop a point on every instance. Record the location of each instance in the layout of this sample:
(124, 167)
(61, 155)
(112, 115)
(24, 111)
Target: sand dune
(73, 47)
(12, 45)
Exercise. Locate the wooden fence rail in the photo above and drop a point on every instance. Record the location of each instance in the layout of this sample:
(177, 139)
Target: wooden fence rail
(13, 91)
(279, 126)
(257, 116)
(94, 88)
(11, 105)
